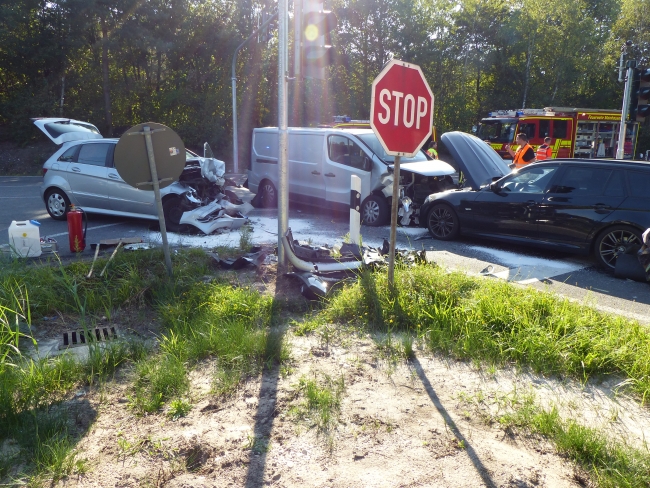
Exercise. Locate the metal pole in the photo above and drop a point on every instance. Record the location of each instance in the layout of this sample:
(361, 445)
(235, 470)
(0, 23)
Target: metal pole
(393, 222)
(156, 192)
(235, 142)
(283, 175)
(620, 148)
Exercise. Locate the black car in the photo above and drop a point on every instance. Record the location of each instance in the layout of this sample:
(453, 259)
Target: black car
(574, 205)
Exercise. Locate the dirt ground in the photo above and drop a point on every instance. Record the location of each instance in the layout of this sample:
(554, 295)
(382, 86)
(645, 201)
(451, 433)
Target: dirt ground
(401, 425)
(420, 423)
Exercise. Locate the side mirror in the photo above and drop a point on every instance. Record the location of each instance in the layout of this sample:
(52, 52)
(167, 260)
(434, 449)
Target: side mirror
(495, 187)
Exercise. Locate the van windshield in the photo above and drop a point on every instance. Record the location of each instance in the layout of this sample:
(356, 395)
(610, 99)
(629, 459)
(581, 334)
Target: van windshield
(375, 146)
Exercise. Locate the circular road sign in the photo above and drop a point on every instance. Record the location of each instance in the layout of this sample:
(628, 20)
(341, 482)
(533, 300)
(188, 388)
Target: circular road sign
(401, 109)
(132, 161)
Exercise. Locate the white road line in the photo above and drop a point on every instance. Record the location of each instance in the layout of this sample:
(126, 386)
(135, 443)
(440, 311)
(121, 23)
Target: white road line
(89, 228)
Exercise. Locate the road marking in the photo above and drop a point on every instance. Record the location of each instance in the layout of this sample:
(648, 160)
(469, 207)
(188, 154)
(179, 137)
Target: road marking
(89, 228)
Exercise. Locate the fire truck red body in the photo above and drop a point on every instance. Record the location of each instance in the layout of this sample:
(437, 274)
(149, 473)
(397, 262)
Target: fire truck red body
(574, 132)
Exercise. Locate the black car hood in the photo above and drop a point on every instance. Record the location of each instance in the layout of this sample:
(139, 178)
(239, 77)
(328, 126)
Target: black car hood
(475, 158)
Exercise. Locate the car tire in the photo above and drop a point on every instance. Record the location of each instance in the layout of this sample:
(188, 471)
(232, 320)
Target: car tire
(173, 213)
(57, 203)
(374, 211)
(613, 241)
(268, 195)
(442, 222)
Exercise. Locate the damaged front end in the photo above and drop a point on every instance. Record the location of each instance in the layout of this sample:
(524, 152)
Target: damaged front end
(206, 204)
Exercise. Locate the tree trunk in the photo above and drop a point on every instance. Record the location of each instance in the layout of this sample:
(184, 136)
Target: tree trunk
(106, 87)
(531, 46)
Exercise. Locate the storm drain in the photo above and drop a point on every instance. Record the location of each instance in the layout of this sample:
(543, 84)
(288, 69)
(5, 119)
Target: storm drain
(87, 336)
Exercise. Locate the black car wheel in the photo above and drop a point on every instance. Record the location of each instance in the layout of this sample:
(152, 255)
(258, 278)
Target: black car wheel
(374, 211)
(268, 195)
(443, 222)
(57, 203)
(613, 242)
(173, 213)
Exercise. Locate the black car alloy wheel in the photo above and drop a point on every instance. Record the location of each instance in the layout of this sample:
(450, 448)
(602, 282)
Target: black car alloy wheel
(442, 222)
(616, 241)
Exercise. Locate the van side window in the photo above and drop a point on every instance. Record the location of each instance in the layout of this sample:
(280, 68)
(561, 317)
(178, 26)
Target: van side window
(559, 129)
(342, 150)
(528, 129)
(544, 127)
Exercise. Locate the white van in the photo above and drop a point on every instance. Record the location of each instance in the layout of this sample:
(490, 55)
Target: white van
(321, 162)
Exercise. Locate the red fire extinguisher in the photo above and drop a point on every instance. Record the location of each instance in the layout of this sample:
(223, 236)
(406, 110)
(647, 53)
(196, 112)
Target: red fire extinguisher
(76, 233)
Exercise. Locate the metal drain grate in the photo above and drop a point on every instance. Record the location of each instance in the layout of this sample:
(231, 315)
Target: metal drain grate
(81, 337)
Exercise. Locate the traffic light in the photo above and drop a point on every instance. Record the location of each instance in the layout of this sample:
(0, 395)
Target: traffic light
(317, 51)
(639, 107)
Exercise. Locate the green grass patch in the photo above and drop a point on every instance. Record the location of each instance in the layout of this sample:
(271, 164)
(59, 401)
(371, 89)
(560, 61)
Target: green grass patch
(611, 464)
(321, 401)
(496, 322)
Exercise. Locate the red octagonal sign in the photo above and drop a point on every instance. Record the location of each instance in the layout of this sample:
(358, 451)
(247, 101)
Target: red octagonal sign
(401, 110)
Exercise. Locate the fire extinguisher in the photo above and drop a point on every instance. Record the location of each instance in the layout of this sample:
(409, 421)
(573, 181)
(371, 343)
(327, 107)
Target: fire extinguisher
(76, 234)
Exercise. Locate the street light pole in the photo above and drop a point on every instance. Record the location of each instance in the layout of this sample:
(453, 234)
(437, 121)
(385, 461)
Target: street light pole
(283, 175)
(620, 148)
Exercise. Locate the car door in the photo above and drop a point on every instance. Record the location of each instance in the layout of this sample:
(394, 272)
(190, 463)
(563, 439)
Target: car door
(579, 199)
(88, 176)
(124, 197)
(306, 180)
(344, 159)
(511, 209)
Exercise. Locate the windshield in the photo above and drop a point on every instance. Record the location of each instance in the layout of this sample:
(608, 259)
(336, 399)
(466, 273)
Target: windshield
(375, 146)
(497, 130)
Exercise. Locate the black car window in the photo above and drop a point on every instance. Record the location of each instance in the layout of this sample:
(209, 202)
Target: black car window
(616, 185)
(94, 154)
(70, 155)
(530, 180)
(559, 129)
(639, 183)
(582, 181)
(345, 151)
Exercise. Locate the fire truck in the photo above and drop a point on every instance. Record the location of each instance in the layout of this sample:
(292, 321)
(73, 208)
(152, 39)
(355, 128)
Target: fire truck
(574, 132)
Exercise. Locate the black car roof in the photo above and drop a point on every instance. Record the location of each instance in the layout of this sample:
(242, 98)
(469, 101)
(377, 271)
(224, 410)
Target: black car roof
(610, 163)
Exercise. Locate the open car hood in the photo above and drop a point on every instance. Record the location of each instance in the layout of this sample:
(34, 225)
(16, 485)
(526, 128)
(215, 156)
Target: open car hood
(429, 168)
(61, 130)
(476, 159)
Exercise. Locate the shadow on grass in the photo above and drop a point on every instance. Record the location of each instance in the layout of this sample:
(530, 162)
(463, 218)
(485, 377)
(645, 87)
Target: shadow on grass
(471, 453)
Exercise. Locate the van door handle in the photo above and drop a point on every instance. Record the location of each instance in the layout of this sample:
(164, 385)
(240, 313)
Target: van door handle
(315, 173)
(76, 169)
(113, 176)
(330, 175)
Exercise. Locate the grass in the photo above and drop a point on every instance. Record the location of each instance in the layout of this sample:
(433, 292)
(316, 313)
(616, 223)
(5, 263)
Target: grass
(321, 403)
(200, 320)
(497, 323)
(610, 463)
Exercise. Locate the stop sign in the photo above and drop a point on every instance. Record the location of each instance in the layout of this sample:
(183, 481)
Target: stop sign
(401, 109)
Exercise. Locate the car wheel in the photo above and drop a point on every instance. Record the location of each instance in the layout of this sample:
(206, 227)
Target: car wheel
(173, 213)
(268, 195)
(57, 203)
(613, 242)
(442, 222)
(374, 211)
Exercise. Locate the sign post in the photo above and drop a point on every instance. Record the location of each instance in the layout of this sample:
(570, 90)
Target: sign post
(149, 165)
(401, 115)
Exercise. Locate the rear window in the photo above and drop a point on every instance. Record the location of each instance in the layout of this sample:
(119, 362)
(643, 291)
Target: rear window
(265, 144)
(55, 129)
(306, 148)
(639, 183)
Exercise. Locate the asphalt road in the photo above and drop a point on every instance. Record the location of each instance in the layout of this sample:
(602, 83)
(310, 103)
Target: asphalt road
(576, 277)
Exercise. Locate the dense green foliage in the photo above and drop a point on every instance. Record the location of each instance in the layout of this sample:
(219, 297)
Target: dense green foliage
(122, 62)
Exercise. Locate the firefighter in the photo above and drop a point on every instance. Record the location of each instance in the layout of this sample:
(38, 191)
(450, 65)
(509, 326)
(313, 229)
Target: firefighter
(433, 150)
(524, 155)
(544, 151)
